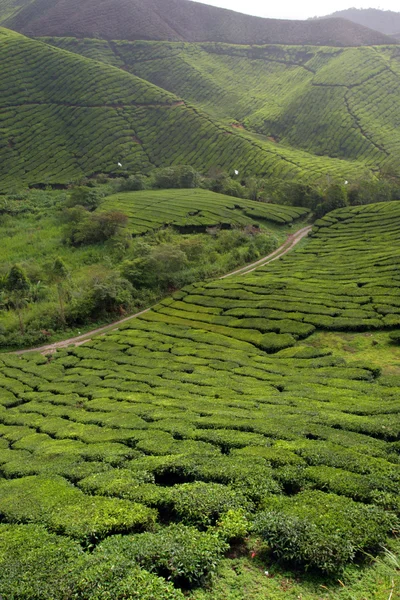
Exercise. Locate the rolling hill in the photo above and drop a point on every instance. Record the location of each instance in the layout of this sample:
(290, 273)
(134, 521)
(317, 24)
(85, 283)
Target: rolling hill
(384, 21)
(63, 116)
(341, 103)
(215, 413)
(175, 20)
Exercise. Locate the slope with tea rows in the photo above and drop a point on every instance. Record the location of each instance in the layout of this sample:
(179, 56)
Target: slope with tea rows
(63, 116)
(330, 102)
(215, 400)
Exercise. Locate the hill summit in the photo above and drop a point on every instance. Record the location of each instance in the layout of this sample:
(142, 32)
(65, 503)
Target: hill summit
(175, 20)
(385, 21)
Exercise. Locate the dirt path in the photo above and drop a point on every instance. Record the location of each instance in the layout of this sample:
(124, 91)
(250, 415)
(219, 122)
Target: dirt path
(291, 241)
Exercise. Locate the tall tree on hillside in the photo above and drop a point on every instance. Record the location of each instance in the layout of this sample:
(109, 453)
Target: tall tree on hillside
(58, 275)
(17, 285)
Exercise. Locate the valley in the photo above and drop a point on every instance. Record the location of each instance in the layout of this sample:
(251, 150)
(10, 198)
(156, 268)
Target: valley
(199, 303)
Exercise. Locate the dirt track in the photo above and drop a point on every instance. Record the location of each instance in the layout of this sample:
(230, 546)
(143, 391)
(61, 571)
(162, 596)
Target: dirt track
(291, 241)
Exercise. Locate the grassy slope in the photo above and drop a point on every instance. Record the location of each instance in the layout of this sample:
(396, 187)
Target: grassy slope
(190, 383)
(332, 102)
(63, 116)
(175, 20)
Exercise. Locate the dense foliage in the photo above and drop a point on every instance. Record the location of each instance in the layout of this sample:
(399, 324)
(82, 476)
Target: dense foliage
(65, 116)
(190, 428)
(86, 264)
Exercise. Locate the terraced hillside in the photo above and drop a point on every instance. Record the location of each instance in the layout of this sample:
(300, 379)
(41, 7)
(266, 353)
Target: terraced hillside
(174, 20)
(330, 102)
(191, 210)
(210, 409)
(63, 116)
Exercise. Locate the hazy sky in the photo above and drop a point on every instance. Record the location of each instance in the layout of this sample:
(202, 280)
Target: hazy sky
(292, 9)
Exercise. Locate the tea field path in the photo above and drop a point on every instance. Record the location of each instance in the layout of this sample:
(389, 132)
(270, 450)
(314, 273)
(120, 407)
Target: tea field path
(291, 241)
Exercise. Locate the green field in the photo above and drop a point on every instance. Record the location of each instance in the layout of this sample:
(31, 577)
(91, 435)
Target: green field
(217, 433)
(65, 116)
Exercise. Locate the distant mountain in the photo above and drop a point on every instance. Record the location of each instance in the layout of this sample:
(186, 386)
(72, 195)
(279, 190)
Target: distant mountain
(174, 20)
(384, 21)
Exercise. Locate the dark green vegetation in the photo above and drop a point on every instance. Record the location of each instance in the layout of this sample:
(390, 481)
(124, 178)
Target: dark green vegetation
(330, 102)
(176, 20)
(213, 421)
(63, 116)
(268, 100)
(78, 265)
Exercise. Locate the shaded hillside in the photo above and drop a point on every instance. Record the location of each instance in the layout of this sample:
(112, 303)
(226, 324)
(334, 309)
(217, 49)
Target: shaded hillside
(332, 102)
(178, 20)
(385, 21)
(63, 116)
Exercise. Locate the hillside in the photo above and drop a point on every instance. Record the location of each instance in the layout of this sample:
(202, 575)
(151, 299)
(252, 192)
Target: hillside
(213, 415)
(384, 21)
(175, 20)
(64, 116)
(341, 103)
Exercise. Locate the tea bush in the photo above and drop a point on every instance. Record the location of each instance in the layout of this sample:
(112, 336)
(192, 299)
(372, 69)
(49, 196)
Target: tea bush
(322, 530)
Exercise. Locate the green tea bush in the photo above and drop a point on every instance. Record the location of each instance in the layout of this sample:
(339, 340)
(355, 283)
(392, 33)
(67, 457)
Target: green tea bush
(65, 509)
(322, 530)
(35, 564)
(201, 504)
(99, 579)
(181, 554)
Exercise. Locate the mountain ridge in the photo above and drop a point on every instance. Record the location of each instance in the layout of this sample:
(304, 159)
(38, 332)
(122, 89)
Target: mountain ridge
(384, 21)
(175, 20)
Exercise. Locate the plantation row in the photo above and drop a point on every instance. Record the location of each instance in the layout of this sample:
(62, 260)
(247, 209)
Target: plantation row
(346, 278)
(204, 420)
(149, 210)
(324, 94)
(63, 116)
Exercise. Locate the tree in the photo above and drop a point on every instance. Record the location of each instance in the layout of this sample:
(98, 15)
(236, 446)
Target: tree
(17, 285)
(86, 228)
(87, 197)
(58, 275)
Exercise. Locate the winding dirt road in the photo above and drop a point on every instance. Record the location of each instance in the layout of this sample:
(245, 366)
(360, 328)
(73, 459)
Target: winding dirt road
(292, 240)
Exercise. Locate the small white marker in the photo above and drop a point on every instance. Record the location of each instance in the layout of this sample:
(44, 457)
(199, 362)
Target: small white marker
(119, 164)
(236, 172)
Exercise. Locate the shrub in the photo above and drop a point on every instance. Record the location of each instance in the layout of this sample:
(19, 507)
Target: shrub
(35, 564)
(87, 197)
(395, 337)
(95, 228)
(101, 579)
(60, 506)
(176, 177)
(321, 530)
(233, 526)
(183, 554)
(202, 504)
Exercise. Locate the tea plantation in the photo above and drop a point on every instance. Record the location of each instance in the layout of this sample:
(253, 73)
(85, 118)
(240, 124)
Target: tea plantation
(328, 101)
(209, 437)
(191, 210)
(64, 116)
